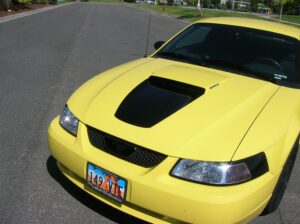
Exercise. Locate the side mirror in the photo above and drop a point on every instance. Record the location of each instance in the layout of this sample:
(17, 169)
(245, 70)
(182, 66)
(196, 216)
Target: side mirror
(158, 44)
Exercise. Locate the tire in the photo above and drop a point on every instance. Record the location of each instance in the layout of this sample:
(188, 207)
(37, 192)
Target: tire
(282, 182)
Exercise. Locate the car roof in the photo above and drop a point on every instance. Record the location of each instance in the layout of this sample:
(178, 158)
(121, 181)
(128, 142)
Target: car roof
(270, 26)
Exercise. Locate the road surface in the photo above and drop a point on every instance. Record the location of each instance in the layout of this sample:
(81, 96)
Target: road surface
(43, 58)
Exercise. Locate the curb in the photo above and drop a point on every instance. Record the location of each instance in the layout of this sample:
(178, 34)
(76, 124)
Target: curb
(29, 13)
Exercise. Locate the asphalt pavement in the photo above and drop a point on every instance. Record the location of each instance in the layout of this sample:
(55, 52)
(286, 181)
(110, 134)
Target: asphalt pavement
(44, 57)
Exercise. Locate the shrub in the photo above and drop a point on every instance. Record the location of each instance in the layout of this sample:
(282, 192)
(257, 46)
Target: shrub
(3, 4)
(190, 2)
(223, 6)
(206, 3)
(236, 5)
(291, 12)
(24, 2)
(228, 5)
(20, 2)
(254, 5)
(291, 8)
(276, 8)
(216, 2)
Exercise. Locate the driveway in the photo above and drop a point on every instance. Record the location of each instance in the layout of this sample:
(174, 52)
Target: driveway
(43, 58)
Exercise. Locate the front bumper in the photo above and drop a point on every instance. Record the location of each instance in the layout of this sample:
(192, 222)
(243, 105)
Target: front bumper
(152, 194)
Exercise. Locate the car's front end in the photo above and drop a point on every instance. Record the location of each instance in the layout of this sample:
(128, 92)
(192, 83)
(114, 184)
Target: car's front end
(180, 137)
(152, 193)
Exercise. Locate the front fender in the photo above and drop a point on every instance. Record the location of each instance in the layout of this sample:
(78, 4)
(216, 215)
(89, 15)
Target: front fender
(275, 130)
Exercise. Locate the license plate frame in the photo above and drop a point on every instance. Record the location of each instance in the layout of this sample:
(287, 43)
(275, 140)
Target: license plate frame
(106, 182)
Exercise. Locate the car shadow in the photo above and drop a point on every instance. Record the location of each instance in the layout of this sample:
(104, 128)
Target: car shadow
(87, 200)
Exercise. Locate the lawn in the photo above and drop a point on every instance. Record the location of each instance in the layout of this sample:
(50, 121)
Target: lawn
(193, 14)
(293, 19)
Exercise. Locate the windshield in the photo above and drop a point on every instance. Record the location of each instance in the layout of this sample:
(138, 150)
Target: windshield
(261, 54)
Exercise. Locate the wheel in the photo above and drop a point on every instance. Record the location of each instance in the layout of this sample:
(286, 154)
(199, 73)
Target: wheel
(282, 182)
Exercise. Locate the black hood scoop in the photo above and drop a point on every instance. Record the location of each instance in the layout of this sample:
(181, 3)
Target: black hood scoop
(154, 100)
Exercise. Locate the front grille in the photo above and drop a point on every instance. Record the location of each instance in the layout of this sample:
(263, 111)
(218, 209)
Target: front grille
(124, 150)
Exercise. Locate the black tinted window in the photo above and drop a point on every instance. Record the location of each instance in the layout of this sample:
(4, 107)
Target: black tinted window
(243, 50)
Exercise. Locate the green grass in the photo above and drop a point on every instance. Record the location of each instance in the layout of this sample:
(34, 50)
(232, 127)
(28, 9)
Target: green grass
(193, 14)
(293, 19)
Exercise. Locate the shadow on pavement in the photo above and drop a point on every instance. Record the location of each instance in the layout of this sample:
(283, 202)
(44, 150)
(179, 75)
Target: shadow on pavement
(87, 200)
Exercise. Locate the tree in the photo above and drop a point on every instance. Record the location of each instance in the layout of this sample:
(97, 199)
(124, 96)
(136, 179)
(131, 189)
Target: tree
(215, 4)
(5, 4)
(190, 2)
(199, 7)
(206, 3)
(228, 5)
(254, 5)
(282, 3)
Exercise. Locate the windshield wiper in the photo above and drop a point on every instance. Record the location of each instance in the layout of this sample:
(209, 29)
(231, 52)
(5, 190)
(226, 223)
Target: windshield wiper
(218, 64)
(237, 68)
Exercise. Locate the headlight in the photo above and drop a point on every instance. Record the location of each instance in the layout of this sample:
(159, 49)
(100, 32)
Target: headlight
(215, 173)
(68, 121)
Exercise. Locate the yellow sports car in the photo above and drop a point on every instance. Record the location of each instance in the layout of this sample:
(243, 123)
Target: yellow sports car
(205, 130)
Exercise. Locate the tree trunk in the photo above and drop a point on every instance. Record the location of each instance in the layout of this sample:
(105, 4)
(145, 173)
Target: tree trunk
(281, 9)
(199, 7)
(5, 4)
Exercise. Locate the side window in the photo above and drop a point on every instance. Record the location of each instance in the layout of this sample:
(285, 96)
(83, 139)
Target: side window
(195, 36)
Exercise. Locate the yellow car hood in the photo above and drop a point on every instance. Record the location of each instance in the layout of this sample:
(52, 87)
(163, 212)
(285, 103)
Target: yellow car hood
(209, 128)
